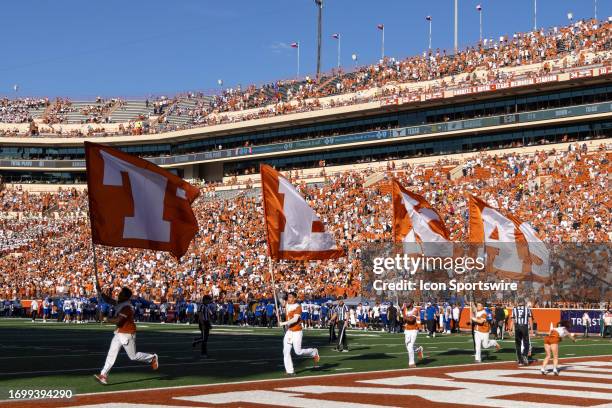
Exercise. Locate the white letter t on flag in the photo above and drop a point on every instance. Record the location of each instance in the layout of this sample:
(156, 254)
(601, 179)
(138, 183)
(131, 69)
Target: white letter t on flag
(148, 192)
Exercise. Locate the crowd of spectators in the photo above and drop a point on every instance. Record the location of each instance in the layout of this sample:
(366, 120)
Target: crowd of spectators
(45, 247)
(18, 110)
(550, 47)
(519, 50)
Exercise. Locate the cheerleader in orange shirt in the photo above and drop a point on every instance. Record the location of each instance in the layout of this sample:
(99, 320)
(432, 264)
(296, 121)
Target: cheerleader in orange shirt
(293, 335)
(411, 330)
(551, 345)
(125, 334)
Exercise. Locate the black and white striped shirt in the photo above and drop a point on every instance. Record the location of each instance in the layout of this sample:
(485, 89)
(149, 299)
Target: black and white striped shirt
(342, 312)
(205, 312)
(521, 315)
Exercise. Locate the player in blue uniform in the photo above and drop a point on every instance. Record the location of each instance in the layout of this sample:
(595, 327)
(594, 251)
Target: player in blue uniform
(383, 315)
(46, 309)
(270, 317)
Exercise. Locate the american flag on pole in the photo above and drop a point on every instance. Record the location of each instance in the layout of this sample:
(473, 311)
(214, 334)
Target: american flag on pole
(336, 36)
(380, 26)
(479, 7)
(428, 18)
(295, 45)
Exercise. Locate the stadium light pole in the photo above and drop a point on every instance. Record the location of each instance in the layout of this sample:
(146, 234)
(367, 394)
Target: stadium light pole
(319, 4)
(456, 26)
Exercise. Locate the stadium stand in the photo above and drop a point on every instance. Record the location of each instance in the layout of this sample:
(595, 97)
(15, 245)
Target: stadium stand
(125, 111)
(584, 43)
(561, 189)
(44, 237)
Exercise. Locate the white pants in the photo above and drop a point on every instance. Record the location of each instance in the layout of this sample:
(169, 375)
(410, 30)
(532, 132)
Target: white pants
(482, 341)
(293, 339)
(410, 337)
(128, 341)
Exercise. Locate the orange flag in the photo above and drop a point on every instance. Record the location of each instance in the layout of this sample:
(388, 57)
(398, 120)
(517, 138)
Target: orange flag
(294, 230)
(412, 214)
(134, 203)
(512, 246)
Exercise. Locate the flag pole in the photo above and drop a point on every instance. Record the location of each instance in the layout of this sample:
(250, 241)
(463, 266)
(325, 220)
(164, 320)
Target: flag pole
(430, 34)
(480, 17)
(95, 261)
(271, 270)
(383, 44)
(339, 39)
(298, 61)
(95, 268)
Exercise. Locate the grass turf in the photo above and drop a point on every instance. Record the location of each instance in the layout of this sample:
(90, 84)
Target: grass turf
(65, 356)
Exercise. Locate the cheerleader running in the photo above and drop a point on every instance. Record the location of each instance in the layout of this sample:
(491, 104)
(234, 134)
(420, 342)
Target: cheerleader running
(551, 344)
(411, 329)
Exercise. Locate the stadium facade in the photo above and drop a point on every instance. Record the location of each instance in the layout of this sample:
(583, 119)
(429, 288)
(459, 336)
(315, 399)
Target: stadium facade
(572, 105)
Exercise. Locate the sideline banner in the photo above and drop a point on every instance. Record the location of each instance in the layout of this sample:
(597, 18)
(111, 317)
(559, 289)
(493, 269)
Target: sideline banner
(577, 323)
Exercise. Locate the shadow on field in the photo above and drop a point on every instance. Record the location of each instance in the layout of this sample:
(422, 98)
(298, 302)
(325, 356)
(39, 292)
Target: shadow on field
(508, 350)
(457, 352)
(426, 361)
(320, 369)
(70, 354)
(163, 377)
(358, 348)
(369, 356)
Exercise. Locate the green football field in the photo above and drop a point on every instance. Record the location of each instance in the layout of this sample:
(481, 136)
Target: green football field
(65, 356)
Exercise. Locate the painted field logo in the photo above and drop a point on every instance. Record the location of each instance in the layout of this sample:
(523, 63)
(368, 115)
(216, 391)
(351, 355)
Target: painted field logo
(502, 388)
(585, 382)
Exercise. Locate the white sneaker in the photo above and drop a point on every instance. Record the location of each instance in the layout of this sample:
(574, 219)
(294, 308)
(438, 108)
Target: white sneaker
(101, 378)
(316, 358)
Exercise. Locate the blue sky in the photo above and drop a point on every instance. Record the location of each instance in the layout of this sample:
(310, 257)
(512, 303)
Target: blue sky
(135, 48)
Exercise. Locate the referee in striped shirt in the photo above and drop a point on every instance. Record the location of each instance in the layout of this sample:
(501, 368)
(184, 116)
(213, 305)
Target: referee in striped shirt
(204, 318)
(341, 315)
(523, 323)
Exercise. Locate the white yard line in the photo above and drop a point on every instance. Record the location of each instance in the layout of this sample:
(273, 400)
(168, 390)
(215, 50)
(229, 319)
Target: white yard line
(412, 370)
